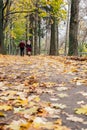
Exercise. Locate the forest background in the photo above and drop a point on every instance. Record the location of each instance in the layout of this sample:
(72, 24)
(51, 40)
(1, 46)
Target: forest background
(53, 27)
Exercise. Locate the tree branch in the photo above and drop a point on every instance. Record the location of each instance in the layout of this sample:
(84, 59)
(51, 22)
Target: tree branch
(6, 3)
(16, 12)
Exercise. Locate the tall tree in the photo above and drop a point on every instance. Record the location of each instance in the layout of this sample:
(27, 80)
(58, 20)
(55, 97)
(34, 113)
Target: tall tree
(36, 32)
(67, 27)
(73, 30)
(54, 36)
(2, 9)
(57, 13)
(31, 30)
(1, 26)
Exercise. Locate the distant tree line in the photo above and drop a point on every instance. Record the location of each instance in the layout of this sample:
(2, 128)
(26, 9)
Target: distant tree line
(32, 20)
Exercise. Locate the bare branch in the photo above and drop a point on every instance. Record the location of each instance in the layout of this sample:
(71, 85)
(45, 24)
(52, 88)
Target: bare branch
(6, 3)
(16, 12)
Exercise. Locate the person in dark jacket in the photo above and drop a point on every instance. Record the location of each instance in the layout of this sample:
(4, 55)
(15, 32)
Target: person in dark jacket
(28, 48)
(22, 46)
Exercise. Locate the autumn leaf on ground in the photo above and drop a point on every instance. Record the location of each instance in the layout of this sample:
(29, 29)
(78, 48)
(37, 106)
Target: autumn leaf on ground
(15, 125)
(33, 82)
(54, 99)
(62, 95)
(82, 110)
(48, 84)
(25, 126)
(62, 84)
(74, 118)
(29, 111)
(5, 107)
(82, 81)
(39, 122)
(36, 99)
(21, 102)
(79, 81)
(42, 112)
(18, 109)
(61, 128)
(62, 88)
(2, 114)
(60, 106)
(74, 69)
(58, 122)
(43, 123)
(83, 93)
(80, 102)
(50, 110)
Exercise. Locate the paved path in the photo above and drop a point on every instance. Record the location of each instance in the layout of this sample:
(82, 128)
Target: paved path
(60, 82)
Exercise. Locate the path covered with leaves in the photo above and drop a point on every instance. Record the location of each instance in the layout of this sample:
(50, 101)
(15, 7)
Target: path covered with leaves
(43, 93)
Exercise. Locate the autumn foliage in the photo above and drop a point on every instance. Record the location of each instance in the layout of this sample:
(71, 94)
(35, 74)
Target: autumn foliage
(36, 91)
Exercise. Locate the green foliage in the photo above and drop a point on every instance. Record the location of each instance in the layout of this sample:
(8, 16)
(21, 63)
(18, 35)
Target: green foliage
(82, 47)
(45, 9)
(19, 28)
(57, 8)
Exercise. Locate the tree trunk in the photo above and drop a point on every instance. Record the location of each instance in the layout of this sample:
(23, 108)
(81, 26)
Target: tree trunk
(67, 29)
(2, 49)
(39, 23)
(31, 30)
(57, 36)
(73, 30)
(54, 38)
(26, 30)
(36, 34)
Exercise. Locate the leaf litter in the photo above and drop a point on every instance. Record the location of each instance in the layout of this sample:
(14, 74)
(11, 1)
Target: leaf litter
(22, 83)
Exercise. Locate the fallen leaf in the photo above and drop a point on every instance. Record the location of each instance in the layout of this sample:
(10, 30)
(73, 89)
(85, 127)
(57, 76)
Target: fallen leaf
(82, 110)
(74, 118)
(58, 122)
(62, 88)
(2, 114)
(5, 107)
(62, 95)
(60, 106)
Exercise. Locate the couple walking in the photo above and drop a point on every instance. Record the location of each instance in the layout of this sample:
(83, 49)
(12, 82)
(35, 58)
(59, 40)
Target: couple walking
(22, 46)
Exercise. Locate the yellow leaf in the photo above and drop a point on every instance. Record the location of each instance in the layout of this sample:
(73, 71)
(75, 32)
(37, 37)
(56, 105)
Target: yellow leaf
(35, 85)
(21, 102)
(61, 128)
(39, 122)
(82, 110)
(15, 125)
(48, 84)
(37, 99)
(2, 114)
(62, 95)
(58, 122)
(31, 104)
(74, 70)
(30, 111)
(24, 102)
(5, 107)
(25, 126)
(42, 112)
(29, 62)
